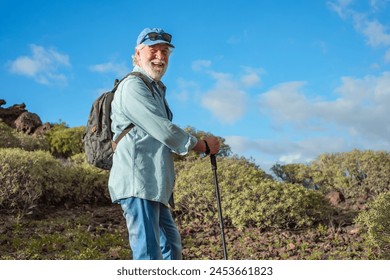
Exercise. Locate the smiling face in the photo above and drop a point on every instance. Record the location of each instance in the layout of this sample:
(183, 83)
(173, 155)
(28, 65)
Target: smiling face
(153, 59)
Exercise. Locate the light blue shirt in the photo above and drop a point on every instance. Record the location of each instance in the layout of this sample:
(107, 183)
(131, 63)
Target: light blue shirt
(143, 161)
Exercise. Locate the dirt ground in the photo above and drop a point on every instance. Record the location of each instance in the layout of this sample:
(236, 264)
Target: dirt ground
(99, 232)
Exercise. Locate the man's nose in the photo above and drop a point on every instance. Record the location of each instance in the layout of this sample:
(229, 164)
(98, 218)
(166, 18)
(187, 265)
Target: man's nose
(160, 55)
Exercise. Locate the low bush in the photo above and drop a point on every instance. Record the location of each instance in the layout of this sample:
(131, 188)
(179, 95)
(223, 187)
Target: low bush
(7, 137)
(272, 204)
(88, 183)
(376, 222)
(359, 175)
(27, 177)
(10, 138)
(249, 196)
(64, 141)
(31, 179)
(32, 142)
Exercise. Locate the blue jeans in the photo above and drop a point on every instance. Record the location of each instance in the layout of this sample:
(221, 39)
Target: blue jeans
(152, 231)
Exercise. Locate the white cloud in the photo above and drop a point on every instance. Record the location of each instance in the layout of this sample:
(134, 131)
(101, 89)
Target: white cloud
(378, 4)
(226, 101)
(340, 7)
(251, 77)
(290, 158)
(286, 102)
(361, 107)
(356, 119)
(375, 32)
(199, 65)
(43, 65)
(24, 66)
(240, 144)
(287, 150)
(268, 152)
(110, 67)
(186, 89)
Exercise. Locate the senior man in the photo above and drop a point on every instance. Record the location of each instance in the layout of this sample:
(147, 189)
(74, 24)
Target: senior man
(142, 176)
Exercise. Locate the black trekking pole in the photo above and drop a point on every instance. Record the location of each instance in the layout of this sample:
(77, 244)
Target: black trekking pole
(214, 168)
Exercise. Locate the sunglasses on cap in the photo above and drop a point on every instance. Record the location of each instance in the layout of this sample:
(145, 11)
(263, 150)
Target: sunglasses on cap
(153, 36)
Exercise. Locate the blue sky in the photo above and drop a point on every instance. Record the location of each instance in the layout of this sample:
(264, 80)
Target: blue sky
(282, 81)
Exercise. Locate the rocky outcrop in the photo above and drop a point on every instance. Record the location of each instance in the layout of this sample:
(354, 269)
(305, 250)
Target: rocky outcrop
(17, 117)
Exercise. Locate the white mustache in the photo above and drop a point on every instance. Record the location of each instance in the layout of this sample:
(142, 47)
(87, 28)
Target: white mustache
(157, 61)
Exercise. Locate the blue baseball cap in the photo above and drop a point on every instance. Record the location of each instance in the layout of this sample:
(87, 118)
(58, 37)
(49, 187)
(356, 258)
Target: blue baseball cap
(154, 36)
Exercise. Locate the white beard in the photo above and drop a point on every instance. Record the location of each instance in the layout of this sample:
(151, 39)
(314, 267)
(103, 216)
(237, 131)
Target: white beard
(155, 68)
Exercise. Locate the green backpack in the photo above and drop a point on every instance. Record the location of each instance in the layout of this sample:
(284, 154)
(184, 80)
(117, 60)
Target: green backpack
(98, 138)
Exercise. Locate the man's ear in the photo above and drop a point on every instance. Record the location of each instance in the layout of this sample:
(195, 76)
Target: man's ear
(137, 55)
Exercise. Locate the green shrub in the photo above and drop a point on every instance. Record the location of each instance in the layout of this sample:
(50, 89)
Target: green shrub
(64, 141)
(272, 204)
(195, 192)
(32, 142)
(249, 197)
(88, 183)
(376, 220)
(10, 138)
(359, 175)
(33, 179)
(27, 177)
(7, 138)
(356, 174)
(295, 173)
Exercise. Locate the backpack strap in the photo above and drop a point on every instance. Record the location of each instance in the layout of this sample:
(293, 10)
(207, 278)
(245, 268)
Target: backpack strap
(144, 79)
(116, 83)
